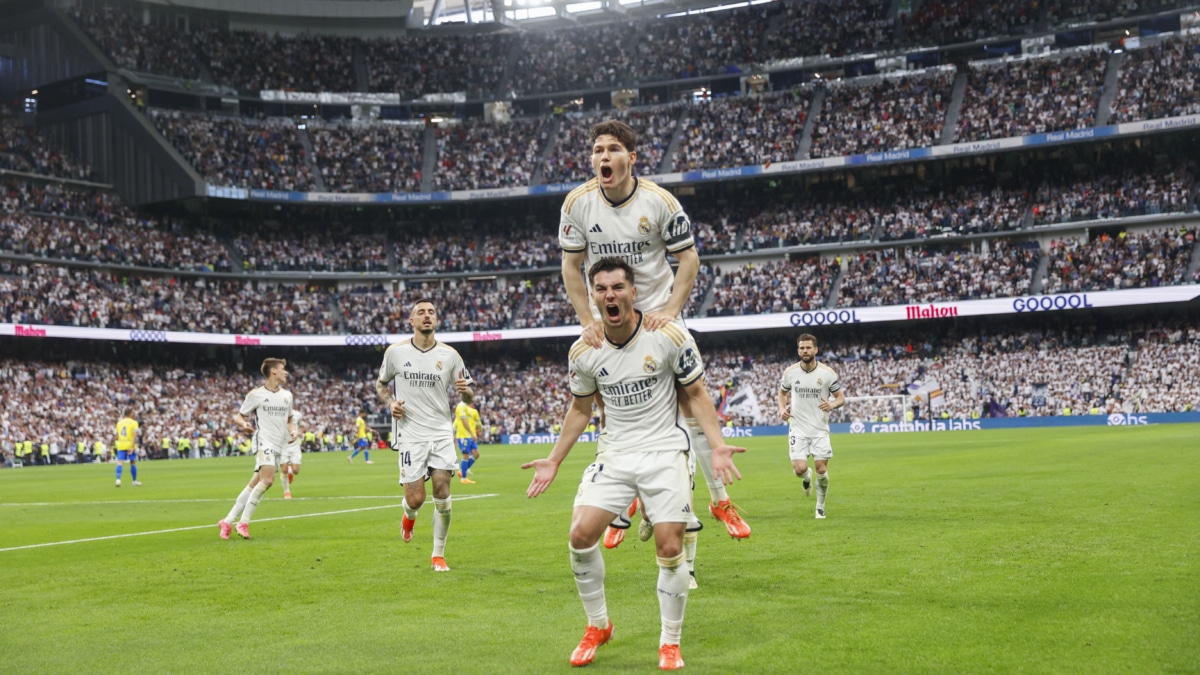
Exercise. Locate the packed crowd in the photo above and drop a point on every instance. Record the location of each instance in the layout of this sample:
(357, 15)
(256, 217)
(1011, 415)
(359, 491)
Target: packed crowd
(1032, 96)
(892, 113)
(22, 149)
(413, 66)
(1160, 80)
(369, 158)
(828, 28)
(584, 57)
(252, 61)
(704, 44)
(240, 152)
(944, 22)
(136, 45)
(64, 296)
(914, 275)
(734, 131)
(570, 159)
(64, 223)
(1162, 370)
(572, 58)
(168, 401)
(477, 155)
(773, 287)
(326, 251)
(1133, 192)
(1126, 260)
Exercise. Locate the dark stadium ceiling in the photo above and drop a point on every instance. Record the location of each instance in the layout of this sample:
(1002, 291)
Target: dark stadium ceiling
(557, 12)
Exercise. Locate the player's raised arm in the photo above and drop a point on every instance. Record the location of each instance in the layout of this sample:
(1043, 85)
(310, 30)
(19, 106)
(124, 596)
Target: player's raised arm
(573, 424)
(706, 415)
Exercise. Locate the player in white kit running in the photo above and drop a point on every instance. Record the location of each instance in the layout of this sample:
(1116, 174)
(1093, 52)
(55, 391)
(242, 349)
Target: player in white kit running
(271, 406)
(414, 382)
(808, 392)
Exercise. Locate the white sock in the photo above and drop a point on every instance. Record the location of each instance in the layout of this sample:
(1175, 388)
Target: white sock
(807, 477)
(716, 489)
(252, 503)
(238, 505)
(822, 488)
(672, 597)
(690, 540)
(588, 567)
(441, 525)
(410, 511)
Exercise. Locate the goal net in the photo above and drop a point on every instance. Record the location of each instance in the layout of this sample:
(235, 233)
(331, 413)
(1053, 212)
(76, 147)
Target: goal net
(886, 408)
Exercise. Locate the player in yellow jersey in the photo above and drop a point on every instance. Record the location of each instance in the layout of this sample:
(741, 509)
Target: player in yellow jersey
(126, 446)
(466, 434)
(362, 438)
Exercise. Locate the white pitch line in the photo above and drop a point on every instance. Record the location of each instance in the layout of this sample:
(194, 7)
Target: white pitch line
(202, 527)
(193, 501)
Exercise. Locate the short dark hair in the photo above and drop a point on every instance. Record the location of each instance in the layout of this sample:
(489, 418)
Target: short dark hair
(269, 364)
(424, 299)
(807, 337)
(610, 265)
(618, 130)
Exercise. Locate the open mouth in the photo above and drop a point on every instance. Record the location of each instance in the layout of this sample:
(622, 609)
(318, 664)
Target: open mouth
(613, 311)
(606, 172)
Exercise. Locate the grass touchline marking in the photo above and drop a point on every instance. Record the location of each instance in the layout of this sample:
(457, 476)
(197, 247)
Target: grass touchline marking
(194, 501)
(201, 527)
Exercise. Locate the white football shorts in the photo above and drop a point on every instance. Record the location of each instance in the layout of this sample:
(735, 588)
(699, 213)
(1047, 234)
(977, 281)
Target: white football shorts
(800, 447)
(661, 479)
(416, 459)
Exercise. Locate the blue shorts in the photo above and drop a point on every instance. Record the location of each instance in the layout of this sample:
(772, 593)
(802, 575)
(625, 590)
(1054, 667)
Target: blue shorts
(127, 455)
(361, 443)
(466, 445)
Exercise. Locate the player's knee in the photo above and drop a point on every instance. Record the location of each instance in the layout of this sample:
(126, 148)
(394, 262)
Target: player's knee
(669, 549)
(581, 539)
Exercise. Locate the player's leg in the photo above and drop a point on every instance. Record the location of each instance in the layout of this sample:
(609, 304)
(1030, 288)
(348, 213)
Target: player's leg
(266, 478)
(822, 467)
(798, 451)
(473, 452)
(121, 455)
(133, 467)
(413, 460)
(359, 445)
(605, 490)
(665, 484)
(441, 516)
(239, 504)
(721, 506)
(464, 464)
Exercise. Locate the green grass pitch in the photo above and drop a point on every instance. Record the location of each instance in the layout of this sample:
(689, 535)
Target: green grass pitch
(1042, 551)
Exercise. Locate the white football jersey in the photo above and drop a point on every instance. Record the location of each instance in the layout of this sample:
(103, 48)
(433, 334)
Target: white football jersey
(637, 382)
(298, 417)
(640, 230)
(272, 409)
(422, 380)
(808, 389)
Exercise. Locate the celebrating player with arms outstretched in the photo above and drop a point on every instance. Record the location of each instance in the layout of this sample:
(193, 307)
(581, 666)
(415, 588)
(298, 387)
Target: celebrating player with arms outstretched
(421, 371)
(808, 391)
(642, 451)
(617, 214)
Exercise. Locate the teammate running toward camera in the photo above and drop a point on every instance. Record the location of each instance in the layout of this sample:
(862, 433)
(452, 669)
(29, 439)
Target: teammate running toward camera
(642, 451)
(414, 379)
(271, 406)
(808, 391)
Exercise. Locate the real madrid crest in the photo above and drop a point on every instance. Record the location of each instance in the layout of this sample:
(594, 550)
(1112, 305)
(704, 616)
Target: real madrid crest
(650, 365)
(644, 225)
(818, 380)
(438, 365)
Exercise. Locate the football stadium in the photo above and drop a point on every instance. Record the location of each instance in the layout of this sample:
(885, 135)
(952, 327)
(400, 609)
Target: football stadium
(370, 336)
